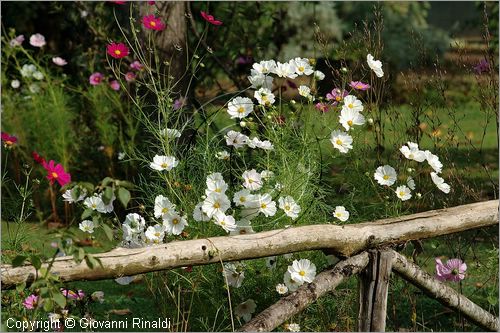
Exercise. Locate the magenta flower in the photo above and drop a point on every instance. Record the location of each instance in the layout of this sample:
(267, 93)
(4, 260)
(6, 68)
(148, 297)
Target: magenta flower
(30, 302)
(358, 85)
(130, 76)
(114, 85)
(153, 23)
(323, 107)
(96, 78)
(482, 67)
(210, 19)
(151, 3)
(18, 41)
(136, 65)
(55, 172)
(8, 140)
(453, 270)
(117, 50)
(336, 95)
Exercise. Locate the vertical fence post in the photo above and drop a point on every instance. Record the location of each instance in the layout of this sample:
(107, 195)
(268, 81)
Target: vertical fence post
(373, 290)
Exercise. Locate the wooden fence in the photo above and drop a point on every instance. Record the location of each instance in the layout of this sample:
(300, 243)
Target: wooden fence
(362, 244)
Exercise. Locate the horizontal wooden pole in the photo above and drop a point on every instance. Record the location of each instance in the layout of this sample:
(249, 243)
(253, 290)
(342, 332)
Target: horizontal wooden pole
(287, 306)
(444, 294)
(343, 240)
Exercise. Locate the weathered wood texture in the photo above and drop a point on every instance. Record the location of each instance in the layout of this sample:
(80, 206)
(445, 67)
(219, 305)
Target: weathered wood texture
(343, 240)
(444, 294)
(297, 301)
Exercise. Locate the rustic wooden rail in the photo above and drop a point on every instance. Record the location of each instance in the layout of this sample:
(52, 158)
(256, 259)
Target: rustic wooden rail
(342, 240)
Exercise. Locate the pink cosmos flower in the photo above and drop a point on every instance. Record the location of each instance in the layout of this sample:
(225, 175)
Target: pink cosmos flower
(59, 61)
(153, 23)
(151, 3)
(117, 50)
(30, 302)
(130, 76)
(136, 65)
(96, 78)
(55, 172)
(115, 85)
(18, 41)
(37, 40)
(323, 107)
(453, 270)
(358, 85)
(210, 19)
(8, 140)
(336, 95)
(79, 295)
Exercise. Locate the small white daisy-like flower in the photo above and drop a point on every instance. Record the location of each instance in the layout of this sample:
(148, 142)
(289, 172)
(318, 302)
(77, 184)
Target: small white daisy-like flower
(281, 289)
(218, 186)
(266, 174)
(15, 84)
(293, 327)
(375, 65)
(94, 202)
(252, 180)
(305, 91)
(174, 224)
(215, 203)
(302, 66)
(170, 133)
(199, 215)
(245, 310)
(234, 274)
(259, 80)
(302, 270)
(439, 182)
(385, 175)
(318, 75)
(410, 182)
(223, 155)
(243, 227)
(341, 213)
(266, 204)
(155, 234)
(287, 69)
(412, 152)
(163, 207)
(350, 117)
(75, 194)
(352, 103)
(291, 283)
(240, 107)
(106, 208)
(214, 177)
(135, 222)
(227, 222)
(289, 206)
(264, 96)
(433, 161)
(403, 192)
(341, 141)
(236, 139)
(161, 163)
(242, 197)
(86, 226)
(265, 66)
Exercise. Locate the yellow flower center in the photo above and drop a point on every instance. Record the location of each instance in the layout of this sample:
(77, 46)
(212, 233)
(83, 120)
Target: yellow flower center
(175, 221)
(164, 210)
(263, 206)
(118, 52)
(94, 206)
(411, 155)
(164, 165)
(250, 180)
(386, 177)
(55, 175)
(216, 205)
(301, 68)
(243, 199)
(338, 98)
(339, 142)
(350, 106)
(222, 222)
(287, 207)
(338, 214)
(359, 86)
(157, 234)
(241, 109)
(349, 122)
(218, 190)
(9, 143)
(401, 193)
(302, 273)
(152, 23)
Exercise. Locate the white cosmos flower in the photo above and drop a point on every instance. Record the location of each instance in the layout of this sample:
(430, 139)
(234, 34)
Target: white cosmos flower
(222, 155)
(288, 205)
(264, 96)
(243, 227)
(293, 327)
(94, 202)
(28, 70)
(155, 234)
(86, 226)
(341, 213)
(352, 103)
(252, 180)
(305, 91)
(341, 141)
(135, 222)
(234, 274)
(214, 177)
(170, 133)
(199, 215)
(290, 283)
(266, 174)
(433, 161)
(302, 66)
(266, 204)
(281, 289)
(302, 270)
(265, 66)
(38, 75)
(106, 208)
(410, 182)
(242, 197)
(236, 139)
(161, 163)
(259, 80)
(215, 203)
(240, 107)
(375, 65)
(403, 192)
(70, 195)
(412, 152)
(215, 184)
(440, 183)
(245, 310)
(163, 207)
(385, 175)
(257, 143)
(15, 84)
(174, 224)
(350, 117)
(227, 222)
(287, 69)
(318, 75)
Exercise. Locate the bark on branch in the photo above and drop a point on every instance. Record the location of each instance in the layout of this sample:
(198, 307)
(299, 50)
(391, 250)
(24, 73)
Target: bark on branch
(444, 294)
(297, 301)
(343, 240)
